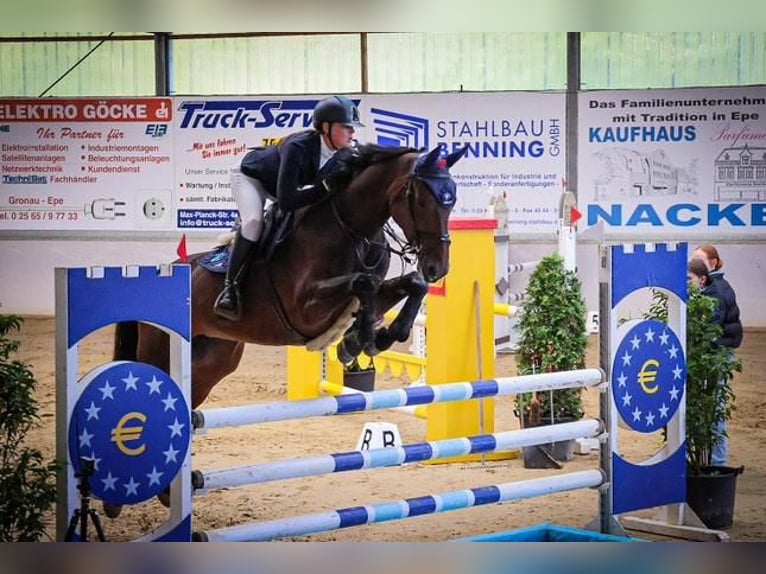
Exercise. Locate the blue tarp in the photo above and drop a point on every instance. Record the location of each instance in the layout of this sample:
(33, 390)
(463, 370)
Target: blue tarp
(548, 533)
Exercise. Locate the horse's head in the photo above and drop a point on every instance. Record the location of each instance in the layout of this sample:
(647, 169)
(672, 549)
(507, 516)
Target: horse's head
(423, 211)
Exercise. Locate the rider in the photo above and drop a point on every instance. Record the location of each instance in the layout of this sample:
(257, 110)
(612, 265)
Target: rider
(296, 172)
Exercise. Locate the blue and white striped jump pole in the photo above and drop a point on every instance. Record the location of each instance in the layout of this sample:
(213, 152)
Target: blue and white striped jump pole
(206, 481)
(415, 395)
(399, 509)
(523, 265)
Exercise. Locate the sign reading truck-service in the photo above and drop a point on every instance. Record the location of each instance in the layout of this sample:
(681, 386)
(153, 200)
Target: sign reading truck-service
(671, 160)
(212, 135)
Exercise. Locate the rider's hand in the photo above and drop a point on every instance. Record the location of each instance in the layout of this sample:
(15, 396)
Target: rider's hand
(339, 175)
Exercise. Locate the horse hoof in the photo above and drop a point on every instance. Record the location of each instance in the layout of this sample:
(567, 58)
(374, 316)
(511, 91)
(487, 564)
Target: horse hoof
(372, 351)
(112, 510)
(343, 355)
(383, 340)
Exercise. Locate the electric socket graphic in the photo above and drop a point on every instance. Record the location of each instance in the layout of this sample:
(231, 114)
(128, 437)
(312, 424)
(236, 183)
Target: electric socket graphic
(153, 208)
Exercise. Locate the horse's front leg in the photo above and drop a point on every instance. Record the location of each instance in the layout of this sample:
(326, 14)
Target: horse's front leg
(364, 287)
(412, 286)
(340, 287)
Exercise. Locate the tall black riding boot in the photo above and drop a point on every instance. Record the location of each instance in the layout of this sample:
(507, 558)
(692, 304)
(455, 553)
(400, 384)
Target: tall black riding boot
(227, 305)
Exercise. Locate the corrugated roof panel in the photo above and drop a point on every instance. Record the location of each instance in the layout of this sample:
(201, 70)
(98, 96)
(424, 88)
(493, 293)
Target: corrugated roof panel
(397, 62)
(268, 65)
(639, 60)
(116, 68)
(435, 62)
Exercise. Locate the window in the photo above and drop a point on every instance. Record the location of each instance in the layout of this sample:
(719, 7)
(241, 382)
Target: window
(118, 64)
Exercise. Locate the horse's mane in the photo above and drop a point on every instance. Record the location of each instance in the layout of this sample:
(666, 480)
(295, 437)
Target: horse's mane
(369, 154)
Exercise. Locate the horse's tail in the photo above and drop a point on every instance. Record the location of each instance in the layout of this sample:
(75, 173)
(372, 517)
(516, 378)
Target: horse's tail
(126, 341)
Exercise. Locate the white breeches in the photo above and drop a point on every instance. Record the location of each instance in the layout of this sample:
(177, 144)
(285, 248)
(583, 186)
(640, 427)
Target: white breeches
(250, 196)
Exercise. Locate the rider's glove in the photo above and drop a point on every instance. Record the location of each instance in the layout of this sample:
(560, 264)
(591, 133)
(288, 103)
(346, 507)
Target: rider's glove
(338, 178)
(337, 172)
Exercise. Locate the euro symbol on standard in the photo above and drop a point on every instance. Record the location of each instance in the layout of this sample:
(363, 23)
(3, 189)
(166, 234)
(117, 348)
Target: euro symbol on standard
(646, 376)
(122, 434)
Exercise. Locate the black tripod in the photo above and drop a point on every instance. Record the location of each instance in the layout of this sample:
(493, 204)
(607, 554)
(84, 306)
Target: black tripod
(81, 515)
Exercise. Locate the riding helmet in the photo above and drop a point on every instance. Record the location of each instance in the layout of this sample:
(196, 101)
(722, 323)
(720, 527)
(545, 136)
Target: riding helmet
(336, 110)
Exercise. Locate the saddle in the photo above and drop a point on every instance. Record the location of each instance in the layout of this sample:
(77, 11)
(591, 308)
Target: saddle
(276, 228)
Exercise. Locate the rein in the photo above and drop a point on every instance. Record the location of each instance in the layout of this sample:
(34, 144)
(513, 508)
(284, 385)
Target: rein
(362, 245)
(407, 251)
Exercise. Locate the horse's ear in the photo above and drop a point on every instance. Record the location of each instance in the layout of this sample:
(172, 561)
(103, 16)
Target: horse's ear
(455, 156)
(431, 159)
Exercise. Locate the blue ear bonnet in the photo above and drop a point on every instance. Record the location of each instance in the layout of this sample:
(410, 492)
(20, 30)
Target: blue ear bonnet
(435, 175)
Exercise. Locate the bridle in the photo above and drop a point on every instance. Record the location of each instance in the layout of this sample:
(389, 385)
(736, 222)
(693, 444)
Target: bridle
(409, 193)
(408, 250)
(362, 244)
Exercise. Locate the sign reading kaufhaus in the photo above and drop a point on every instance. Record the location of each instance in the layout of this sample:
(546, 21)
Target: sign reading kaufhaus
(665, 161)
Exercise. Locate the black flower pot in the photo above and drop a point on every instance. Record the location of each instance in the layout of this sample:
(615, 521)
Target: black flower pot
(363, 381)
(548, 455)
(711, 494)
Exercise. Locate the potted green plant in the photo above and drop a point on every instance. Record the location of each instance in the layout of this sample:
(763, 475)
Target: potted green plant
(359, 378)
(552, 338)
(709, 402)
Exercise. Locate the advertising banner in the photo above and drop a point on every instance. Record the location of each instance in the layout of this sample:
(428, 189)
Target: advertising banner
(212, 135)
(515, 147)
(163, 163)
(86, 164)
(664, 161)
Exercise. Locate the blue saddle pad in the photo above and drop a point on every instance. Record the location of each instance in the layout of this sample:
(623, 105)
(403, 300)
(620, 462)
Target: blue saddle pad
(276, 228)
(217, 260)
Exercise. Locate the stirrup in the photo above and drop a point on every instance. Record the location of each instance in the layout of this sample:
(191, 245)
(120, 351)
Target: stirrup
(227, 304)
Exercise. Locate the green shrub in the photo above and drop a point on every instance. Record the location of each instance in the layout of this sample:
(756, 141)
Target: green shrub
(552, 338)
(708, 402)
(27, 481)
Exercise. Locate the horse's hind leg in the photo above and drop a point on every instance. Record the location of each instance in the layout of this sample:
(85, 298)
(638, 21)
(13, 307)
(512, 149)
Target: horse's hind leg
(153, 346)
(146, 344)
(361, 334)
(125, 341)
(212, 360)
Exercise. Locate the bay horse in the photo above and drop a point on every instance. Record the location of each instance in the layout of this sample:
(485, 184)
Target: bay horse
(328, 277)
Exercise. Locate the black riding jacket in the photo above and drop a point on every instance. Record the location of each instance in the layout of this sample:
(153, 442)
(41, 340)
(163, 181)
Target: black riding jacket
(727, 310)
(288, 170)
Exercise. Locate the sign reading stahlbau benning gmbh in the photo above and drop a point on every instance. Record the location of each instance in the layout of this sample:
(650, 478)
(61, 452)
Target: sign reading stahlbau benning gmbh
(664, 161)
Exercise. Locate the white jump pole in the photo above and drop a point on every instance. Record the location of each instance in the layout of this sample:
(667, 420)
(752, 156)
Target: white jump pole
(206, 481)
(399, 509)
(413, 395)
